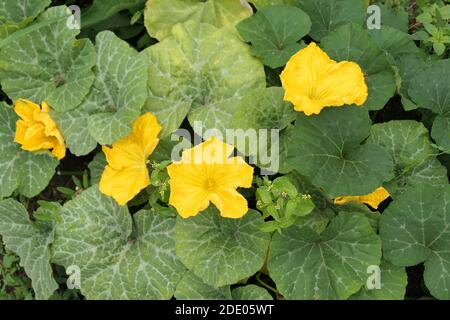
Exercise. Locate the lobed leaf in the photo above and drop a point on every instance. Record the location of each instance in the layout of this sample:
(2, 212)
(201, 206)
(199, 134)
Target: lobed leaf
(120, 256)
(30, 241)
(333, 265)
(220, 250)
(328, 149)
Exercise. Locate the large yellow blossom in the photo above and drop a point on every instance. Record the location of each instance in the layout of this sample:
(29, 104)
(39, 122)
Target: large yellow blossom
(205, 174)
(312, 81)
(372, 199)
(36, 130)
(126, 173)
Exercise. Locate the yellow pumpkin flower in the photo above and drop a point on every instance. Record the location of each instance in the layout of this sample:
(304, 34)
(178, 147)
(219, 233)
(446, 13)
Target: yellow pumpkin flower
(372, 199)
(312, 81)
(207, 173)
(36, 130)
(126, 173)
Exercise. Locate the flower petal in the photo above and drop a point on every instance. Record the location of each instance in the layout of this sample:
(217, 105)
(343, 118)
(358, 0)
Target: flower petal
(237, 174)
(313, 81)
(145, 132)
(37, 130)
(344, 84)
(123, 185)
(187, 189)
(124, 154)
(372, 199)
(25, 109)
(230, 203)
(208, 152)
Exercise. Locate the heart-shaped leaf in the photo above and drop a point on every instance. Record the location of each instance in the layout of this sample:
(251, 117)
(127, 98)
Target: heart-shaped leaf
(415, 229)
(274, 33)
(414, 156)
(15, 15)
(333, 265)
(221, 251)
(119, 256)
(430, 90)
(392, 281)
(328, 149)
(203, 71)
(30, 241)
(162, 15)
(328, 15)
(115, 100)
(49, 64)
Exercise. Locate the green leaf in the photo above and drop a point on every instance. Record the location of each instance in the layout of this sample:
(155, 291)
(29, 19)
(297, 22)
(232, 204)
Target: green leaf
(15, 15)
(27, 172)
(333, 265)
(415, 229)
(394, 17)
(414, 156)
(200, 70)
(274, 33)
(394, 43)
(352, 43)
(192, 287)
(267, 108)
(328, 15)
(104, 9)
(441, 132)
(284, 143)
(30, 242)
(221, 251)
(327, 149)
(73, 125)
(49, 64)
(393, 281)
(408, 67)
(430, 90)
(251, 292)
(120, 256)
(97, 166)
(265, 3)
(269, 113)
(115, 100)
(162, 15)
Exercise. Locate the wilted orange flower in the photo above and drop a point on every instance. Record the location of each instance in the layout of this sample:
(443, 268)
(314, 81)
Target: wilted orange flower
(205, 174)
(312, 81)
(372, 199)
(36, 130)
(126, 173)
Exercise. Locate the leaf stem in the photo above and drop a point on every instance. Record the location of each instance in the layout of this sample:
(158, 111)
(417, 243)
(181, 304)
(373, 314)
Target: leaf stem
(269, 287)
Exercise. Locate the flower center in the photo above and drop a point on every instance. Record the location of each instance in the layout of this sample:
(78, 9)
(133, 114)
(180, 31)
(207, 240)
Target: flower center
(210, 184)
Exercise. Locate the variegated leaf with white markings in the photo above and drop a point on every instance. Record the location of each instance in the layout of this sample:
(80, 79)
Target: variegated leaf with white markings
(200, 71)
(413, 154)
(25, 171)
(415, 228)
(332, 265)
(115, 100)
(120, 256)
(30, 241)
(15, 15)
(49, 64)
(221, 251)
